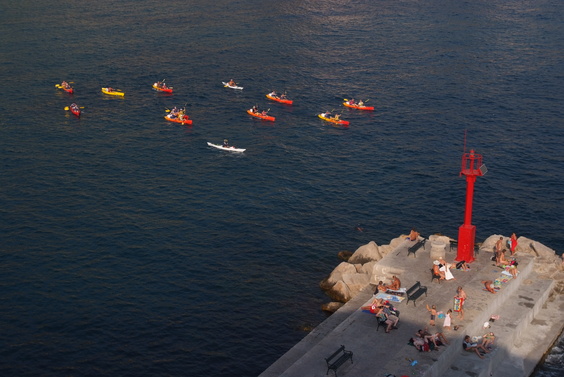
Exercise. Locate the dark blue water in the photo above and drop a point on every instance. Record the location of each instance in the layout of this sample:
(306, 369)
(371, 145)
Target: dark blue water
(130, 248)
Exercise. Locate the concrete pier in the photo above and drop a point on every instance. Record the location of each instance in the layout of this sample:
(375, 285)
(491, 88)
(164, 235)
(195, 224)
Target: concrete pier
(530, 319)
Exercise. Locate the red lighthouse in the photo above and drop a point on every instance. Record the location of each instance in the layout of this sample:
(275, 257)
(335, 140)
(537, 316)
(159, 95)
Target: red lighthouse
(472, 167)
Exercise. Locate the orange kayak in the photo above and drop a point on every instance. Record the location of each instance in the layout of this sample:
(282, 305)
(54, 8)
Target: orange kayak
(183, 120)
(333, 120)
(162, 88)
(355, 106)
(281, 100)
(259, 115)
(68, 89)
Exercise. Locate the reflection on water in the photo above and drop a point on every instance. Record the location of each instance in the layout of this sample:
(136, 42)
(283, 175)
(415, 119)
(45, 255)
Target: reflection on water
(130, 247)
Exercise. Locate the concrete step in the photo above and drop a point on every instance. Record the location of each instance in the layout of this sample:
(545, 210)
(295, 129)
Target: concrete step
(512, 330)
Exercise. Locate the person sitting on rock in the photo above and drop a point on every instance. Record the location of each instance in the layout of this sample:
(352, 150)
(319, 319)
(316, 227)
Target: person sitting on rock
(395, 285)
(413, 235)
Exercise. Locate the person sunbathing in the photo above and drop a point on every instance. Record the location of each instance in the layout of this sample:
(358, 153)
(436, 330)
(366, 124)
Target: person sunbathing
(413, 234)
(437, 337)
(374, 306)
(501, 261)
(420, 343)
(462, 265)
(426, 337)
(473, 347)
(487, 340)
(437, 270)
(388, 318)
(382, 287)
(489, 285)
(395, 284)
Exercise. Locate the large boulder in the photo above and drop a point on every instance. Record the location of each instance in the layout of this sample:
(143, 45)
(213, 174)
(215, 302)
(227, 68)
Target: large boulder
(366, 253)
(356, 282)
(339, 292)
(385, 249)
(332, 306)
(440, 238)
(398, 241)
(337, 275)
(367, 268)
(489, 244)
(349, 287)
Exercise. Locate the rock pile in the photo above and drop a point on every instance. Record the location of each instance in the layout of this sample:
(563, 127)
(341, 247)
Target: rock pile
(362, 268)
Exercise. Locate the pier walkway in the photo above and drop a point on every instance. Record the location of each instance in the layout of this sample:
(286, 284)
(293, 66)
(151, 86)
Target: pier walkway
(529, 321)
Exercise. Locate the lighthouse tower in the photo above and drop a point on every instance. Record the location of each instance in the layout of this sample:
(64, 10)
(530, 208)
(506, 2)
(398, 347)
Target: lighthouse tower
(472, 167)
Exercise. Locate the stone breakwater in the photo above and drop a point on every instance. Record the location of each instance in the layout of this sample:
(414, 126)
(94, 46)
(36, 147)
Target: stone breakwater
(527, 309)
(362, 268)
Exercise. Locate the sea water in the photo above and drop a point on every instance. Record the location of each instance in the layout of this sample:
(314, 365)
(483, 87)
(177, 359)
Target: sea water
(129, 247)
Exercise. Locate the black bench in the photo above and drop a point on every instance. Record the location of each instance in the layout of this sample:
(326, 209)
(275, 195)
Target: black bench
(337, 359)
(412, 249)
(415, 292)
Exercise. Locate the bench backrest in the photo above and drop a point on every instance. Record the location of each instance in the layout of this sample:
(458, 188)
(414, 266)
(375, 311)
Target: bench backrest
(339, 351)
(414, 288)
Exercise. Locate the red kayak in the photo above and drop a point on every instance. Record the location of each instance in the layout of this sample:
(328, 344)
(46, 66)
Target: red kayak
(75, 109)
(66, 87)
(161, 87)
(183, 119)
(278, 99)
(261, 116)
(357, 106)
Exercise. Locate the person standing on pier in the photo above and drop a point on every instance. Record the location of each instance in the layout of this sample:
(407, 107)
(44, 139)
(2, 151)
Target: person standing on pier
(447, 321)
(498, 250)
(513, 243)
(433, 311)
(459, 301)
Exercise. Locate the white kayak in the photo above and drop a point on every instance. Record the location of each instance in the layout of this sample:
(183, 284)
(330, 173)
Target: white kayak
(230, 149)
(225, 84)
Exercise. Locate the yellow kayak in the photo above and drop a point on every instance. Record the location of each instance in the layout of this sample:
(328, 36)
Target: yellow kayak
(113, 92)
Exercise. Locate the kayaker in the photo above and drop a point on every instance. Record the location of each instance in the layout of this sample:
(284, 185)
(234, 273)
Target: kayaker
(255, 109)
(283, 96)
(65, 85)
(232, 83)
(337, 116)
(360, 103)
(273, 94)
(351, 102)
(264, 112)
(225, 143)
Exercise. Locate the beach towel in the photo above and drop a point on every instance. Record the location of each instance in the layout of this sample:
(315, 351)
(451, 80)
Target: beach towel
(390, 297)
